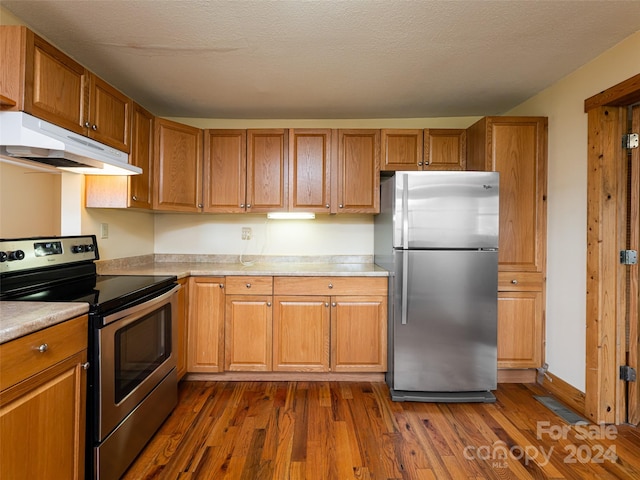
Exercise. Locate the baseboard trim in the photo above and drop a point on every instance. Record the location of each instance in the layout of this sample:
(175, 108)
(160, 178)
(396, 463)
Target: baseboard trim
(566, 393)
(522, 375)
(285, 377)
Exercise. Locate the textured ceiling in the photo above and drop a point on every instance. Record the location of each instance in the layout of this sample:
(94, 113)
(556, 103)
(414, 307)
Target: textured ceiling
(330, 58)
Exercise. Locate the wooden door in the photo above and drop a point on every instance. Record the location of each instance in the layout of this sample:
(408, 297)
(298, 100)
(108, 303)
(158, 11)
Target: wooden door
(520, 329)
(359, 333)
(42, 423)
(225, 171)
(267, 164)
(401, 149)
(445, 149)
(248, 333)
(205, 328)
(109, 115)
(310, 170)
(301, 334)
(140, 186)
(358, 171)
(633, 310)
(177, 167)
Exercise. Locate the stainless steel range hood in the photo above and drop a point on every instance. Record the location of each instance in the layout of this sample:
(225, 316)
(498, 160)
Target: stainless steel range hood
(29, 139)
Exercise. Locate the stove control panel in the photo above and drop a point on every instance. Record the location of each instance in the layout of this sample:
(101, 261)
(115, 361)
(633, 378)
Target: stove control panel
(31, 253)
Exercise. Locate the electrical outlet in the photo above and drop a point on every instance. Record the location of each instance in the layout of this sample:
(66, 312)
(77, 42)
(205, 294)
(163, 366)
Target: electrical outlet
(104, 230)
(246, 233)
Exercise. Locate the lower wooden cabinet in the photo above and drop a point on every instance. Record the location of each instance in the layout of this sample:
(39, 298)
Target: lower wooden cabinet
(206, 325)
(183, 317)
(248, 333)
(520, 321)
(43, 402)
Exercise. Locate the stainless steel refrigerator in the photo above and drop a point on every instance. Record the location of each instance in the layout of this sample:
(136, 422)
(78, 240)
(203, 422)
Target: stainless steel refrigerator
(437, 234)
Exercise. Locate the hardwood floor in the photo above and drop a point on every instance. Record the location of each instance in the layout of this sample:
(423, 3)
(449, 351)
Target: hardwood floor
(331, 430)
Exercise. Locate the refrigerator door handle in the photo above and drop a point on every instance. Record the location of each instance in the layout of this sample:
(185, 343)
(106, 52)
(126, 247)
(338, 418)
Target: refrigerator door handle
(405, 283)
(405, 211)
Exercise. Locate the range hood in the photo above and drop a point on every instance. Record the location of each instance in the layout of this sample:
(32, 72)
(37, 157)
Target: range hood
(28, 139)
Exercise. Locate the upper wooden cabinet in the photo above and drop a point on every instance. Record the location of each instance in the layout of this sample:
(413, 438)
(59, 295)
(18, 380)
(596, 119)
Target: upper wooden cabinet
(225, 171)
(310, 170)
(267, 165)
(177, 167)
(128, 191)
(39, 79)
(445, 149)
(358, 176)
(429, 149)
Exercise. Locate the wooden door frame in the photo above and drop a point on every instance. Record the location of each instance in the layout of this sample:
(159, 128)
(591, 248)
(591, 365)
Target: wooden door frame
(606, 233)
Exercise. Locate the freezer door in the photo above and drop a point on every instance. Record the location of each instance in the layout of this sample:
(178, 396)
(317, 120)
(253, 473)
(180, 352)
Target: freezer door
(445, 321)
(445, 210)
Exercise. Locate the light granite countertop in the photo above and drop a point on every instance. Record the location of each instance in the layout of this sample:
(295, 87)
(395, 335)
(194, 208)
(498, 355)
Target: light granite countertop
(22, 318)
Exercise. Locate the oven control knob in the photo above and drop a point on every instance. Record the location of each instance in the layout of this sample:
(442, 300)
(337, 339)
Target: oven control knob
(17, 255)
(77, 249)
(88, 247)
(3, 256)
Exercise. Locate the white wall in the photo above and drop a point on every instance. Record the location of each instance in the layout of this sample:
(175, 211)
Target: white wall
(563, 103)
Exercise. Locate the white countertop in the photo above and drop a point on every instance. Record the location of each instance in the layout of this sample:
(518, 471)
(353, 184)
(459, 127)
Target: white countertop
(22, 318)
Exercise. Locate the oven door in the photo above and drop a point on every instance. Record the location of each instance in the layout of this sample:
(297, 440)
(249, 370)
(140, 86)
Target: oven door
(136, 350)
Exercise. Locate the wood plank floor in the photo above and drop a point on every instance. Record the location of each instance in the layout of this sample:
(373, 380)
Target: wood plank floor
(331, 430)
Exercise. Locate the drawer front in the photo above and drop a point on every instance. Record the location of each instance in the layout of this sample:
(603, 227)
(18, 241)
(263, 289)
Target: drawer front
(512, 281)
(21, 358)
(330, 285)
(249, 285)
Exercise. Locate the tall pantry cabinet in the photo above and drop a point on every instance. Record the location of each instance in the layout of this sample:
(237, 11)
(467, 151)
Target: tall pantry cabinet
(517, 148)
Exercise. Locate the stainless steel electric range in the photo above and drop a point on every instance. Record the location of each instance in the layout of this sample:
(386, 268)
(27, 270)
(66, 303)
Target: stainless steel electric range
(132, 382)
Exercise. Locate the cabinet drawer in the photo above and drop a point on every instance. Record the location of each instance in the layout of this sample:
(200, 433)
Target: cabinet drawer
(511, 281)
(249, 285)
(330, 285)
(20, 358)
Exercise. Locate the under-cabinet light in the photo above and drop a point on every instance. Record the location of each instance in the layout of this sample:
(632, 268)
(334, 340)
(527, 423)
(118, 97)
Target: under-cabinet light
(291, 216)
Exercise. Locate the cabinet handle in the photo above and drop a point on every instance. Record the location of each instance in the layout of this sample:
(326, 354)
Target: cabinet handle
(248, 285)
(242, 205)
(341, 206)
(134, 198)
(419, 164)
(268, 304)
(87, 124)
(333, 304)
(331, 285)
(248, 205)
(326, 304)
(327, 205)
(222, 285)
(94, 127)
(514, 281)
(200, 205)
(43, 348)
(85, 365)
(426, 163)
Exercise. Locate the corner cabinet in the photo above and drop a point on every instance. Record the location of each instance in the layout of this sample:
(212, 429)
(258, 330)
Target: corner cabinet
(517, 148)
(42, 403)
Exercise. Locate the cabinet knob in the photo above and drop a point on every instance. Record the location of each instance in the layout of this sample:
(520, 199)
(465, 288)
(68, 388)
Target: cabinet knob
(200, 205)
(426, 163)
(268, 304)
(514, 281)
(87, 124)
(333, 304)
(43, 348)
(85, 365)
(248, 205)
(341, 206)
(327, 205)
(134, 198)
(248, 285)
(242, 205)
(331, 285)
(326, 304)
(419, 164)
(94, 127)
(222, 285)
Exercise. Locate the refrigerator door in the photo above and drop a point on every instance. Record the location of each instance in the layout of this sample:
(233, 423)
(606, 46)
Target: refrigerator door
(445, 321)
(445, 210)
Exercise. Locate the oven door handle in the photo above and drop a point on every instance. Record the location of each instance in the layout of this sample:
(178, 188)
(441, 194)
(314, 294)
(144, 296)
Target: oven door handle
(137, 309)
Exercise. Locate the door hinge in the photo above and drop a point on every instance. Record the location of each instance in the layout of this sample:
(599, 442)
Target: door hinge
(627, 373)
(630, 140)
(628, 257)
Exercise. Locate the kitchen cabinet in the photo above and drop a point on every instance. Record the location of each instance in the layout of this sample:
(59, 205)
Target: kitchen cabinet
(517, 148)
(310, 170)
(358, 177)
(444, 149)
(177, 167)
(357, 321)
(42, 403)
(205, 328)
(401, 149)
(248, 324)
(39, 79)
(182, 348)
(267, 170)
(225, 171)
(128, 191)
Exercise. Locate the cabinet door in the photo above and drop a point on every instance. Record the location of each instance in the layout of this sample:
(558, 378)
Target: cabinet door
(358, 171)
(177, 167)
(225, 171)
(248, 333)
(401, 149)
(520, 329)
(301, 334)
(109, 116)
(359, 334)
(140, 186)
(206, 325)
(42, 423)
(310, 170)
(267, 163)
(445, 149)
(183, 317)
(54, 85)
